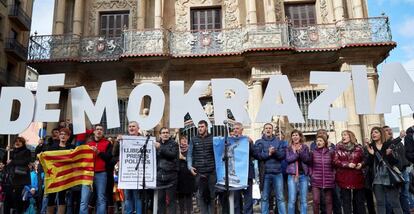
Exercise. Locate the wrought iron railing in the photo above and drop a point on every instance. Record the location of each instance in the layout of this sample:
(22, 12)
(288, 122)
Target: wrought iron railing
(21, 15)
(224, 41)
(304, 99)
(14, 46)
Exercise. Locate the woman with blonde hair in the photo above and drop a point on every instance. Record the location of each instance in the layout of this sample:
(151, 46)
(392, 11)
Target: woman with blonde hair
(348, 160)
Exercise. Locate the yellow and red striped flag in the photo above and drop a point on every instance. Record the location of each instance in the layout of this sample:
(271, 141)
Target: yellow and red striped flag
(67, 168)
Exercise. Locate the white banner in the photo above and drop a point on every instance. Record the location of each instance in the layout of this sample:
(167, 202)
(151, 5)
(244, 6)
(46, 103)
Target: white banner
(128, 158)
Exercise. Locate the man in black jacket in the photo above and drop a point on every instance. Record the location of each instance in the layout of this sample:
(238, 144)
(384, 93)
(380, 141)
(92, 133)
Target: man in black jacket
(200, 161)
(403, 165)
(167, 171)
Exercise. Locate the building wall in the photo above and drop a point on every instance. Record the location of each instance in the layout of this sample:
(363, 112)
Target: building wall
(81, 17)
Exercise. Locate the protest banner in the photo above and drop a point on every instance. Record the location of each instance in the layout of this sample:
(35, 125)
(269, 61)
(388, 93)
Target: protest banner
(130, 155)
(238, 154)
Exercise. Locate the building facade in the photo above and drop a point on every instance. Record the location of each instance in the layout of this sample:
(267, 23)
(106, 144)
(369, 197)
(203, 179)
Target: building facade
(15, 22)
(137, 41)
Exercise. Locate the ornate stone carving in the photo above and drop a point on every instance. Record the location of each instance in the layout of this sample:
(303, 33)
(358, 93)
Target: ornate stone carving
(97, 5)
(145, 42)
(231, 14)
(279, 10)
(324, 11)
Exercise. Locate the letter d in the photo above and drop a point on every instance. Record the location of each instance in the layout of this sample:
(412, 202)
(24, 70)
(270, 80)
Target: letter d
(27, 102)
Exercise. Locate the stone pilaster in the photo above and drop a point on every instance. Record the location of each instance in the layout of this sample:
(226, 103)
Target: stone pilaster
(252, 16)
(78, 17)
(270, 12)
(338, 8)
(372, 119)
(358, 9)
(157, 14)
(353, 123)
(60, 17)
(141, 14)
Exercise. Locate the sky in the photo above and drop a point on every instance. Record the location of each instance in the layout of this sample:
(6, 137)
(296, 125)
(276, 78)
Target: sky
(400, 13)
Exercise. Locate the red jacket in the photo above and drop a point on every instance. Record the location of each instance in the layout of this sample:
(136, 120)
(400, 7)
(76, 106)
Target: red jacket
(104, 155)
(349, 178)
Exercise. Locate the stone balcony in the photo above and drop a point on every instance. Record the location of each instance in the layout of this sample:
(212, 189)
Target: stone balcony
(162, 42)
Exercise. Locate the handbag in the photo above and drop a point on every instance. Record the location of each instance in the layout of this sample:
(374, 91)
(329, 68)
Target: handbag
(20, 170)
(394, 173)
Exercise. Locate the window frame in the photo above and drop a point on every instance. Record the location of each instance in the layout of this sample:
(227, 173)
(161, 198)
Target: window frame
(300, 9)
(111, 31)
(214, 23)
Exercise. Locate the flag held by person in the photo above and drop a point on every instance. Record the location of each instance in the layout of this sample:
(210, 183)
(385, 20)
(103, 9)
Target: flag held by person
(67, 168)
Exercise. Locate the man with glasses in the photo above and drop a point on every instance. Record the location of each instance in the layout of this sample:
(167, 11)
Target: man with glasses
(167, 171)
(200, 161)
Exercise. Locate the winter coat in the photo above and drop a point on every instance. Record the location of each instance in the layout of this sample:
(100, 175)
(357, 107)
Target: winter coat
(167, 161)
(399, 152)
(21, 158)
(322, 169)
(103, 158)
(349, 178)
(201, 154)
(373, 162)
(302, 157)
(186, 181)
(273, 163)
(409, 144)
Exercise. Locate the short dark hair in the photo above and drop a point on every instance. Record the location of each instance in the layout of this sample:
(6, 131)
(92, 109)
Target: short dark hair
(96, 125)
(55, 129)
(20, 139)
(385, 127)
(162, 128)
(203, 122)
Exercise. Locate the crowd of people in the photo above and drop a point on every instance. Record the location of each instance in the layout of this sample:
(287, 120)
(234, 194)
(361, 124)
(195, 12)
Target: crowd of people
(348, 176)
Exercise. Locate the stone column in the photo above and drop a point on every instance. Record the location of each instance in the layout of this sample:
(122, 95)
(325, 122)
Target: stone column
(270, 12)
(60, 17)
(354, 124)
(255, 99)
(158, 17)
(252, 12)
(141, 15)
(358, 9)
(372, 119)
(338, 9)
(78, 17)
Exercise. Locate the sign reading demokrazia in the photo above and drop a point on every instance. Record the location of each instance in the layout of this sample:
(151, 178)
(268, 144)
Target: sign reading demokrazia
(335, 83)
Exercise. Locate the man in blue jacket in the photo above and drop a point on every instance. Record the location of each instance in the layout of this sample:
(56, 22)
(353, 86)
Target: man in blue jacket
(272, 151)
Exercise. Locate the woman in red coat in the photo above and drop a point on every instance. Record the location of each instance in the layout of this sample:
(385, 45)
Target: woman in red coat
(348, 160)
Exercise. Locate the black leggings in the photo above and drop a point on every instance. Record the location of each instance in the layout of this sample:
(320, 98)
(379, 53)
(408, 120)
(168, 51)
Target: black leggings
(61, 196)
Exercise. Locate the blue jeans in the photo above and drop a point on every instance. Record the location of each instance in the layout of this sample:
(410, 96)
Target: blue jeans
(99, 183)
(300, 184)
(277, 180)
(44, 205)
(132, 201)
(405, 191)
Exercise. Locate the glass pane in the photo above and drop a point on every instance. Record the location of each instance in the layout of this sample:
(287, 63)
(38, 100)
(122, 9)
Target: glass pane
(111, 21)
(118, 23)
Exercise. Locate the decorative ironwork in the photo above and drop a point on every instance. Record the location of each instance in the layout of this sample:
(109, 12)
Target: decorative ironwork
(224, 41)
(17, 13)
(145, 42)
(315, 36)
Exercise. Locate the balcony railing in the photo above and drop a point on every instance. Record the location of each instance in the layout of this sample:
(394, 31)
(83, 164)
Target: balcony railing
(17, 14)
(157, 42)
(14, 48)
